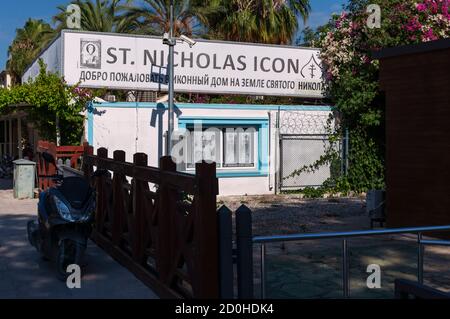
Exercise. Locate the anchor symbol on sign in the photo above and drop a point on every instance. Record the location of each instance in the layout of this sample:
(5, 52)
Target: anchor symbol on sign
(312, 66)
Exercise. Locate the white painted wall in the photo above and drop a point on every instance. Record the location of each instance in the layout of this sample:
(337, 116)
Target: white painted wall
(131, 130)
(139, 130)
(51, 57)
(258, 185)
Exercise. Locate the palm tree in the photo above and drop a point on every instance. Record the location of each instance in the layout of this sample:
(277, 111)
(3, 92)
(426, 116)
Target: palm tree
(28, 43)
(101, 16)
(189, 15)
(266, 21)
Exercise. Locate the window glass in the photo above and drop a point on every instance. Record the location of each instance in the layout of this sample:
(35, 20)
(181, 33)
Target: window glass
(230, 147)
(239, 147)
(203, 145)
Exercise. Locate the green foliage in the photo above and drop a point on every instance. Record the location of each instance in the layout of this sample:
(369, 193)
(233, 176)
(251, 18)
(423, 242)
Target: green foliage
(100, 16)
(45, 99)
(313, 192)
(331, 187)
(265, 21)
(28, 43)
(153, 16)
(347, 44)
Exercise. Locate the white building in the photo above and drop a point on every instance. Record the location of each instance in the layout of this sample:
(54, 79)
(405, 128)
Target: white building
(273, 140)
(255, 146)
(5, 80)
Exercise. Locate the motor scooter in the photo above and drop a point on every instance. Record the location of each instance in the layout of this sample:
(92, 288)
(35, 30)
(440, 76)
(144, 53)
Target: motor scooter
(64, 219)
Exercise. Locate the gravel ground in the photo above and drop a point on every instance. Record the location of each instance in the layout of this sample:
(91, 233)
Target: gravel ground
(288, 214)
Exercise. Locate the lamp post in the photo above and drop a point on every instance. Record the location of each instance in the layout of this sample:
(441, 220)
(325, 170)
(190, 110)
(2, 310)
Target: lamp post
(172, 42)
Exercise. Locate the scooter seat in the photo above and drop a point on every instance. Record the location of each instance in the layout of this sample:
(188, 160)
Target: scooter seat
(76, 190)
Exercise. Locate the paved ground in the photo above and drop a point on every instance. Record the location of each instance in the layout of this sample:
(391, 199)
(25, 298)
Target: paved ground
(23, 274)
(312, 269)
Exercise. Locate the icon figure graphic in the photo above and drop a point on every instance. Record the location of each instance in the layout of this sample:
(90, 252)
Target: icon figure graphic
(90, 54)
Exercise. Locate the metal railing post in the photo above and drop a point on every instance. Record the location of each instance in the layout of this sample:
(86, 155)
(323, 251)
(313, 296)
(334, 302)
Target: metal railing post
(419, 259)
(263, 271)
(345, 279)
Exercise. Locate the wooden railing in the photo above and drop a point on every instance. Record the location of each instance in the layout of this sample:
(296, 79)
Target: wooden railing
(160, 224)
(60, 153)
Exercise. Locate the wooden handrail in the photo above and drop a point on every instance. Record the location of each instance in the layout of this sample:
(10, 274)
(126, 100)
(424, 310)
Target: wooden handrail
(183, 181)
(136, 223)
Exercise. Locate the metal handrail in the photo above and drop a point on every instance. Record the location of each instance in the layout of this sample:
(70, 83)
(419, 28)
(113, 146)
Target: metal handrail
(435, 242)
(348, 234)
(263, 240)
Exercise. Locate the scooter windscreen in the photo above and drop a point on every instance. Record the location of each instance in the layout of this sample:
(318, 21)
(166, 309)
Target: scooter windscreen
(74, 200)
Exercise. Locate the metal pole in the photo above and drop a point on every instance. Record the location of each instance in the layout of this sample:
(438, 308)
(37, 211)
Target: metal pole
(346, 150)
(19, 136)
(10, 139)
(58, 132)
(345, 279)
(420, 259)
(172, 43)
(277, 150)
(263, 271)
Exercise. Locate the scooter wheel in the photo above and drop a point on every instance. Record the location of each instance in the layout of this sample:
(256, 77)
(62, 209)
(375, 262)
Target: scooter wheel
(31, 232)
(67, 255)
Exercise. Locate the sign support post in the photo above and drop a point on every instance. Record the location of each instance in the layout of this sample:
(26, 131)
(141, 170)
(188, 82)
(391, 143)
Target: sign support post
(172, 42)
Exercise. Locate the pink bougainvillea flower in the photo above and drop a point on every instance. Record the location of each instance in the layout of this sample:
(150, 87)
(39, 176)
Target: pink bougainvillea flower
(429, 35)
(413, 25)
(433, 6)
(328, 76)
(444, 8)
(421, 7)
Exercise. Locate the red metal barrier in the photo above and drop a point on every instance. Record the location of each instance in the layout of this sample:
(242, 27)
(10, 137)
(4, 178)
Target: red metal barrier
(74, 153)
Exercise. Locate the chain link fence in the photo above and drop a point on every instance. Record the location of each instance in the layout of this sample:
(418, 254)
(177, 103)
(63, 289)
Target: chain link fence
(300, 150)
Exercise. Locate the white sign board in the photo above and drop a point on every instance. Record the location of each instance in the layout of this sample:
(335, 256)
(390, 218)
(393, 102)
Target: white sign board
(119, 61)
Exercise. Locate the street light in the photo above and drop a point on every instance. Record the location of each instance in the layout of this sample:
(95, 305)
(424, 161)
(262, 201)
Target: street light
(171, 41)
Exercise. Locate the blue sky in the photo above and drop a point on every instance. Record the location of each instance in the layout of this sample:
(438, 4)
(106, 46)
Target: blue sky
(14, 13)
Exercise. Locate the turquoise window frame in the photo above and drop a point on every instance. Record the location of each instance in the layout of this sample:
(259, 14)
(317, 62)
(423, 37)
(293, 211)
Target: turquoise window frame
(90, 131)
(262, 125)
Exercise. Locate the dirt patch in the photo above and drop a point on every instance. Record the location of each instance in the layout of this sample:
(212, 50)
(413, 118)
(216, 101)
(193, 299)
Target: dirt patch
(288, 214)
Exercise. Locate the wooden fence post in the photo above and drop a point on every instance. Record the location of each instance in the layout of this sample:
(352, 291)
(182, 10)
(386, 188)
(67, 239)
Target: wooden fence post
(165, 227)
(139, 219)
(118, 200)
(225, 253)
(51, 169)
(244, 252)
(206, 234)
(40, 165)
(87, 166)
(102, 153)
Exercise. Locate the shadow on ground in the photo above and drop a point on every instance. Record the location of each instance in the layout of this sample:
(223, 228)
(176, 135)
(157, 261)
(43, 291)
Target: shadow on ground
(24, 274)
(312, 270)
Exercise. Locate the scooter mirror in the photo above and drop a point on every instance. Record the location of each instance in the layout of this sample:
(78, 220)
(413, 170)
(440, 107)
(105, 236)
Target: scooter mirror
(49, 158)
